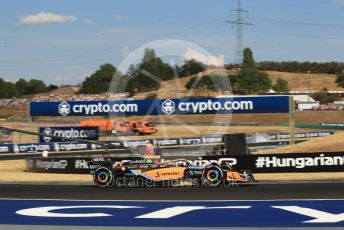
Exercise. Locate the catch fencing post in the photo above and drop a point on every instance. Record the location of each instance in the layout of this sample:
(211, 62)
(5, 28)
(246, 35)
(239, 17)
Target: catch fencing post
(292, 120)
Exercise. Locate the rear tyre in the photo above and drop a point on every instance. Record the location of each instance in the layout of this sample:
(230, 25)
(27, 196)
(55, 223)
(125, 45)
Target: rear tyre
(103, 177)
(212, 176)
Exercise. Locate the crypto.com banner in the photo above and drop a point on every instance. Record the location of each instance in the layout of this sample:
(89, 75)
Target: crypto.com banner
(254, 104)
(56, 134)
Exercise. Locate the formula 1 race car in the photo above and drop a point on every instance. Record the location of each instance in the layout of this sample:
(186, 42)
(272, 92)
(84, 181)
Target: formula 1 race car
(180, 172)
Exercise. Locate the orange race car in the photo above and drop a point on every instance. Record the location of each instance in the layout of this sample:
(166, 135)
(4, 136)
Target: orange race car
(180, 172)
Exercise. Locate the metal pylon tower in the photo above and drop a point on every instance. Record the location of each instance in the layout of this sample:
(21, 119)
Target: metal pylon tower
(239, 24)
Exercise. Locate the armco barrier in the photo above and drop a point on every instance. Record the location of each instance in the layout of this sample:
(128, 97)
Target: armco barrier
(332, 125)
(258, 163)
(77, 146)
(337, 126)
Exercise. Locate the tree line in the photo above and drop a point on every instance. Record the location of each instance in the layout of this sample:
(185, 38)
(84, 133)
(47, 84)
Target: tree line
(298, 67)
(302, 67)
(23, 88)
(141, 77)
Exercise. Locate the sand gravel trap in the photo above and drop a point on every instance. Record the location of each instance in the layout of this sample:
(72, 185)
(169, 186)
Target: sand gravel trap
(13, 172)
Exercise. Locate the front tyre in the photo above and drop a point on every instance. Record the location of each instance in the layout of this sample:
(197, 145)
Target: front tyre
(212, 176)
(103, 177)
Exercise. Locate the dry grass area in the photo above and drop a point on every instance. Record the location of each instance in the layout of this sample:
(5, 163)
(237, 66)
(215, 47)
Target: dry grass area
(297, 81)
(301, 81)
(192, 130)
(331, 143)
(14, 113)
(175, 88)
(14, 172)
(305, 117)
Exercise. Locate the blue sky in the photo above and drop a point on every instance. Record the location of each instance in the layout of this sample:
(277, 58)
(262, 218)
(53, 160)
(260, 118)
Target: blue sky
(71, 38)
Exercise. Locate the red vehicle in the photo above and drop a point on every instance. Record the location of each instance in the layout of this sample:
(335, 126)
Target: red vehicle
(123, 128)
(143, 127)
(105, 126)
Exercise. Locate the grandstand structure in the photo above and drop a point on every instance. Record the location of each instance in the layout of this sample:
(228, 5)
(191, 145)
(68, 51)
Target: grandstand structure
(23, 102)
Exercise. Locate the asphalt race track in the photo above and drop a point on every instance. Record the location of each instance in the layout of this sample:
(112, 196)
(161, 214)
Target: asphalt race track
(259, 191)
(284, 205)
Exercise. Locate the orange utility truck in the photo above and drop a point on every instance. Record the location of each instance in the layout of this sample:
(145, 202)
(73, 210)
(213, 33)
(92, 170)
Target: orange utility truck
(123, 128)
